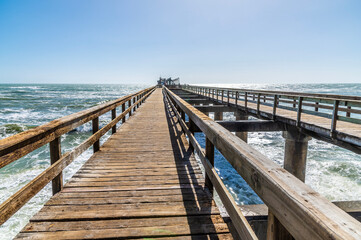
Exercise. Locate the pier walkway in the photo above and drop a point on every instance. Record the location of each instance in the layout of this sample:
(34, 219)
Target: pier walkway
(144, 182)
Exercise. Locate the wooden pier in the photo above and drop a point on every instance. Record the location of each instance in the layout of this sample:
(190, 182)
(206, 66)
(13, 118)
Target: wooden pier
(145, 183)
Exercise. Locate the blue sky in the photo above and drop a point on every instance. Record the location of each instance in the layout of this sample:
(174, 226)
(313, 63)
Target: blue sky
(264, 41)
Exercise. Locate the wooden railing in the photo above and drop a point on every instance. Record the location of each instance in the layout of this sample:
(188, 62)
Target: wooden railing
(301, 210)
(333, 108)
(17, 146)
(324, 105)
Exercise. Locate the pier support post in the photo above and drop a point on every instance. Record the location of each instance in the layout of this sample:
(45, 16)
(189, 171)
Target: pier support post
(218, 116)
(296, 153)
(294, 162)
(55, 155)
(96, 145)
(240, 116)
(210, 157)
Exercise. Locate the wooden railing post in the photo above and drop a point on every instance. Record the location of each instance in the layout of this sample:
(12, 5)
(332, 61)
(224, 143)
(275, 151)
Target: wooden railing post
(222, 95)
(210, 157)
(191, 129)
(130, 104)
(245, 100)
(258, 103)
(299, 111)
(114, 115)
(227, 97)
(334, 117)
(135, 106)
(123, 109)
(96, 145)
(55, 155)
(275, 100)
(348, 113)
(237, 96)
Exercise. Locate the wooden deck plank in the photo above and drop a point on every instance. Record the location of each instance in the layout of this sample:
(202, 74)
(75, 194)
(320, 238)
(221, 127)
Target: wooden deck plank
(144, 182)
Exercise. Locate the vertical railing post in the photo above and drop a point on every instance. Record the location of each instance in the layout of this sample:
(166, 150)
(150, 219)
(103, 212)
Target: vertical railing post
(237, 96)
(123, 109)
(348, 113)
(245, 100)
(274, 107)
(191, 129)
(227, 97)
(334, 117)
(316, 106)
(258, 103)
(130, 104)
(114, 115)
(222, 96)
(210, 157)
(299, 111)
(55, 155)
(96, 145)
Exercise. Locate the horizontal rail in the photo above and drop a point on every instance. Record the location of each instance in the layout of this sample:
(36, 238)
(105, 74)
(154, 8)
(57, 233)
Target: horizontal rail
(288, 93)
(21, 197)
(303, 212)
(17, 146)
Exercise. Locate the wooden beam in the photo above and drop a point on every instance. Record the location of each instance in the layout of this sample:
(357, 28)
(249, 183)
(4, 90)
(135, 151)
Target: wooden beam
(252, 126)
(214, 108)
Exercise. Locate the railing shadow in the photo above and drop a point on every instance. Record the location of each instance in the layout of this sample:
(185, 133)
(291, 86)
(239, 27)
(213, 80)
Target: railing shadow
(197, 199)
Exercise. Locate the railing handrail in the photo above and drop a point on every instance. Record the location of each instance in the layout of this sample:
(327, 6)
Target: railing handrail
(22, 196)
(287, 93)
(18, 145)
(304, 212)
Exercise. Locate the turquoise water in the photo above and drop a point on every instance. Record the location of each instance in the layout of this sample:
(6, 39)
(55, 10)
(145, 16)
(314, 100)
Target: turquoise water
(332, 171)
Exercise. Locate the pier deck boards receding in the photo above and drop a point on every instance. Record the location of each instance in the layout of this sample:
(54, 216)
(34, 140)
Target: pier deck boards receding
(143, 183)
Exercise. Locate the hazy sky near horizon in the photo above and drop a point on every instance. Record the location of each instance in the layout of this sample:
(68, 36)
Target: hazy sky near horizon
(200, 41)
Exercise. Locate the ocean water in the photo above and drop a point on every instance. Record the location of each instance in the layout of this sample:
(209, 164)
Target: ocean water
(332, 171)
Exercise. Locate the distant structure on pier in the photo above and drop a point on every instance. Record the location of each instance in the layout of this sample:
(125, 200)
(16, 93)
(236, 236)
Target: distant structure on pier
(168, 81)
